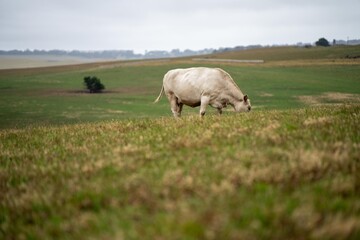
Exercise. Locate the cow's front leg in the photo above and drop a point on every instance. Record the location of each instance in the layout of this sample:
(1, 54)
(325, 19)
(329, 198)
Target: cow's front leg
(219, 110)
(203, 104)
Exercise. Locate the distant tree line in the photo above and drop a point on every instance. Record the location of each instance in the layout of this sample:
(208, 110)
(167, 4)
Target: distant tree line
(109, 54)
(130, 54)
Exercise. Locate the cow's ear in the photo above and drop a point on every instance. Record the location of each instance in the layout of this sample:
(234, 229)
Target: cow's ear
(245, 98)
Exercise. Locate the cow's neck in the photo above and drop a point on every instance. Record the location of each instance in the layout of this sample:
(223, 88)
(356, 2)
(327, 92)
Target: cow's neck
(235, 98)
(235, 95)
(236, 104)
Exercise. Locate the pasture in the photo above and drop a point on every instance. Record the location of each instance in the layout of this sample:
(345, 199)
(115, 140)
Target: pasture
(116, 166)
(55, 95)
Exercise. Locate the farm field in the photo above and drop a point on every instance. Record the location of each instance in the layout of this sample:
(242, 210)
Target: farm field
(8, 61)
(114, 165)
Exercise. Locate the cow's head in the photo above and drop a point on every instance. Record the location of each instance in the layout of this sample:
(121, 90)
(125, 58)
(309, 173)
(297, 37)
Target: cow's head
(244, 105)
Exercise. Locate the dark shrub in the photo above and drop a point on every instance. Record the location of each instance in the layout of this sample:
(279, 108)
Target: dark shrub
(322, 42)
(93, 84)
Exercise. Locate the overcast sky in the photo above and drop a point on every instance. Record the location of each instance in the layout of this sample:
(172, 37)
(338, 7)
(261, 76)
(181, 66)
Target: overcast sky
(167, 24)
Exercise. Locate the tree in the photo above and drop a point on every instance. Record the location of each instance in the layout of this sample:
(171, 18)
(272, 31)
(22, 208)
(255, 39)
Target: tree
(322, 42)
(93, 84)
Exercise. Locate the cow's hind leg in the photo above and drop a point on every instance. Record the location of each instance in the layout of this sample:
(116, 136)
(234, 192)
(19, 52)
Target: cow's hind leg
(180, 106)
(203, 104)
(174, 105)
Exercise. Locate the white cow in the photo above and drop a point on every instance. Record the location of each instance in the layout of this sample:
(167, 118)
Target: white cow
(201, 87)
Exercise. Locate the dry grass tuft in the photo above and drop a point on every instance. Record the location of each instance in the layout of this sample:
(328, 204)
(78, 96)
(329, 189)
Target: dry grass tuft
(330, 98)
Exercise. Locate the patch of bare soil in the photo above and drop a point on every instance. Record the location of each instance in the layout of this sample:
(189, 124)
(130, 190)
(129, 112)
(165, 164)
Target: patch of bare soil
(265, 94)
(83, 92)
(330, 98)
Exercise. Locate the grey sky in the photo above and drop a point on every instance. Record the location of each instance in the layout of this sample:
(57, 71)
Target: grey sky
(167, 24)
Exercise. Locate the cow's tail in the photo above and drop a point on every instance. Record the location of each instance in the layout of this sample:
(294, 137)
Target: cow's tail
(160, 95)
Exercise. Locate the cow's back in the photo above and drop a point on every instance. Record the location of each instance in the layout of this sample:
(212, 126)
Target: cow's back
(189, 84)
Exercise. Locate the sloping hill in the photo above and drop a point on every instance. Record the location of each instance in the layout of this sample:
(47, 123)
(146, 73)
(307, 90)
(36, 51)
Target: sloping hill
(292, 53)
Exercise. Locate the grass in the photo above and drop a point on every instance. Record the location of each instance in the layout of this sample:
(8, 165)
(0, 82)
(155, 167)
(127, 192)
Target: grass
(115, 166)
(270, 174)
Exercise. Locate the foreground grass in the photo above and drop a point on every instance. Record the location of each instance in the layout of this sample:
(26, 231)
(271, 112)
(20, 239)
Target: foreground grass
(266, 175)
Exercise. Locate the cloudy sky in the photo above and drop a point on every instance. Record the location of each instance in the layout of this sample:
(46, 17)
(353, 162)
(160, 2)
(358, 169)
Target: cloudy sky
(167, 24)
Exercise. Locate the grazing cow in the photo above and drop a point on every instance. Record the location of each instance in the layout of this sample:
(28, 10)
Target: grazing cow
(201, 87)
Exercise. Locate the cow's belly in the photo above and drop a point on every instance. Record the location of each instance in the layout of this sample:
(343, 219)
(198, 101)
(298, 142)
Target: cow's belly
(189, 101)
(189, 98)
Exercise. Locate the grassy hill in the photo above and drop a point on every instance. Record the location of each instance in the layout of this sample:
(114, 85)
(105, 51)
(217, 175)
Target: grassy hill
(292, 53)
(262, 175)
(75, 165)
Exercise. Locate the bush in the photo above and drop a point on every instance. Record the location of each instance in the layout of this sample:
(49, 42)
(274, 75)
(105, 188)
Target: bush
(93, 84)
(322, 42)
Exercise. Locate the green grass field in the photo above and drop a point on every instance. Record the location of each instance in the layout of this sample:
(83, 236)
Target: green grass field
(116, 166)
